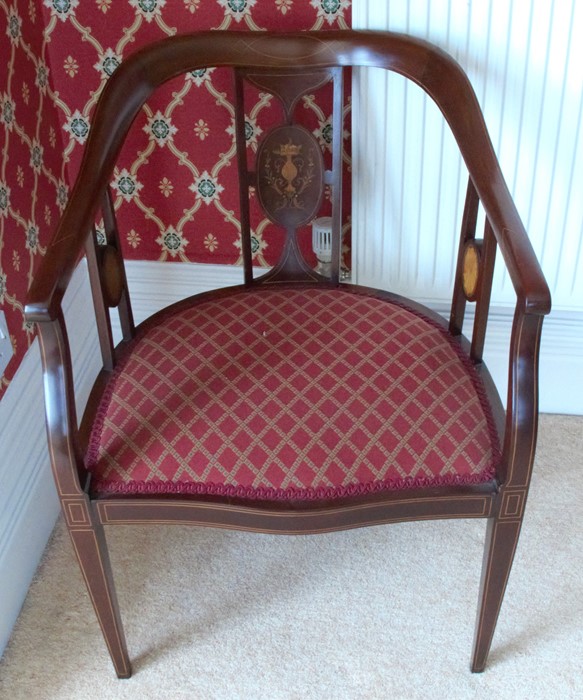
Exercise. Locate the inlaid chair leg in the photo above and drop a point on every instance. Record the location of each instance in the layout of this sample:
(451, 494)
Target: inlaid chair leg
(91, 550)
(501, 540)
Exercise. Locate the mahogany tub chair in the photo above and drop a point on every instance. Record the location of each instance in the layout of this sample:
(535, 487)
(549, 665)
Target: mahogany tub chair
(294, 402)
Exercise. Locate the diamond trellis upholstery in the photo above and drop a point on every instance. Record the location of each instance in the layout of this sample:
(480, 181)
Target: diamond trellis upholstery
(292, 394)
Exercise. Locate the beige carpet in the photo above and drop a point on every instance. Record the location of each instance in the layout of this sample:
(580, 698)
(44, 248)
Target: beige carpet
(384, 612)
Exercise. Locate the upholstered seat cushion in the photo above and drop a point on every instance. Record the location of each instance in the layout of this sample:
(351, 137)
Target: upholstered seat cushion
(295, 393)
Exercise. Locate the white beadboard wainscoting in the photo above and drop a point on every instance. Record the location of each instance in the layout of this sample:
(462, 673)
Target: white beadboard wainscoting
(524, 59)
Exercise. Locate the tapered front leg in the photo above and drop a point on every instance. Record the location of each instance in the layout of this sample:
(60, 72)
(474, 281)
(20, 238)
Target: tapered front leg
(91, 550)
(501, 540)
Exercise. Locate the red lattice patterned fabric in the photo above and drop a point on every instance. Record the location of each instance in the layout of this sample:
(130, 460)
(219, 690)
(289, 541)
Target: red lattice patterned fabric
(280, 394)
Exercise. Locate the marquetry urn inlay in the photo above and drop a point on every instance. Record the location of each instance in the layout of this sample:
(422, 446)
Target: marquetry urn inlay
(290, 175)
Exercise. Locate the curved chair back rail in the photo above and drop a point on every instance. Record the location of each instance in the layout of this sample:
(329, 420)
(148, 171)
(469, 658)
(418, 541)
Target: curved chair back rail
(432, 69)
(422, 432)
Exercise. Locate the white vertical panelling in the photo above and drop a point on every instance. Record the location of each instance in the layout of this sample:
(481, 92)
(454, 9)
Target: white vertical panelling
(563, 120)
(408, 181)
(524, 59)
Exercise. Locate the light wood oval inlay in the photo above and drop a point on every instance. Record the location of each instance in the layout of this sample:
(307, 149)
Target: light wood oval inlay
(471, 270)
(111, 275)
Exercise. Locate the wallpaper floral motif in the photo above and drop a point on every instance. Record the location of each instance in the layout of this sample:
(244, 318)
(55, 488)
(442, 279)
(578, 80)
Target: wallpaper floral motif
(32, 169)
(175, 184)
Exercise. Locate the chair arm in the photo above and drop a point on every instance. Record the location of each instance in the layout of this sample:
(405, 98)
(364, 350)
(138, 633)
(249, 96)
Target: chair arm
(446, 82)
(112, 120)
(522, 400)
(526, 275)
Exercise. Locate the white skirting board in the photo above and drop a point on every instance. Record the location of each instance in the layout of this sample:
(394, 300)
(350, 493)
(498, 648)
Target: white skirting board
(28, 499)
(561, 355)
(28, 502)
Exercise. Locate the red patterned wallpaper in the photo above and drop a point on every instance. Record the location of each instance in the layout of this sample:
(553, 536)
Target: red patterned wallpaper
(32, 172)
(174, 185)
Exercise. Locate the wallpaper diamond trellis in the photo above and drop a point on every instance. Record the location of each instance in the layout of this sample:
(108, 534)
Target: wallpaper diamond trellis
(174, 185)
(32, 185)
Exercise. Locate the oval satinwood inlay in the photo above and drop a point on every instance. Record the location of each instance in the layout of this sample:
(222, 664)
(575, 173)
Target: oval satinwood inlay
(471, 269)
(111, 266)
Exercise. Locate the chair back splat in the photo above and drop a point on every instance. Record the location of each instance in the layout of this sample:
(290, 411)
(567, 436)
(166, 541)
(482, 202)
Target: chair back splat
(295, 402)
(290, 173)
